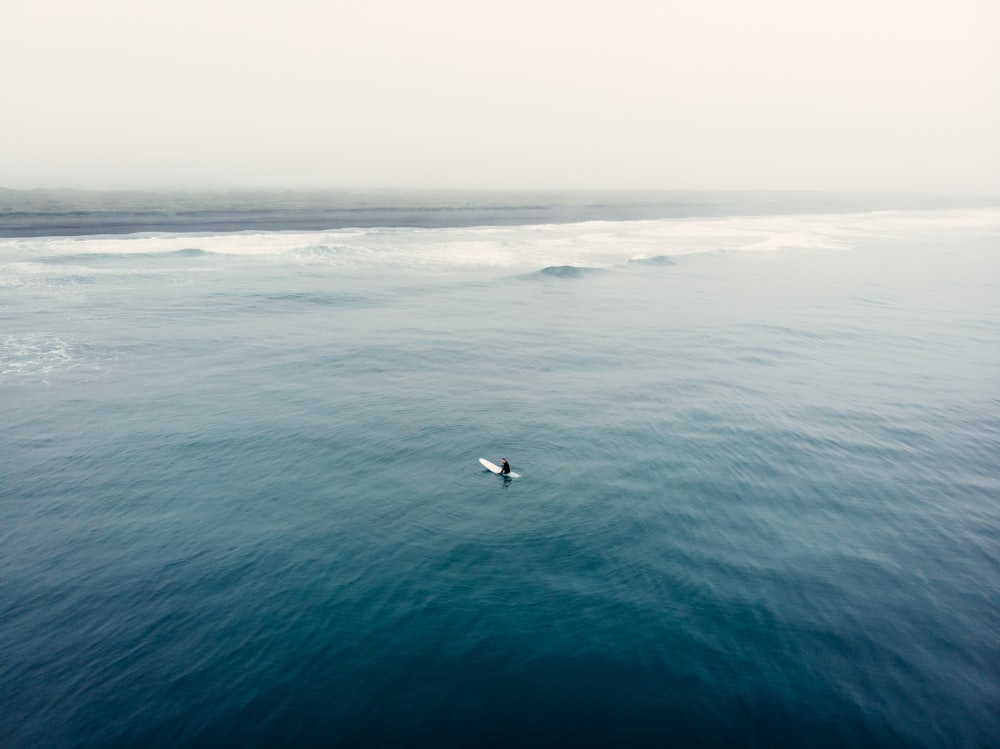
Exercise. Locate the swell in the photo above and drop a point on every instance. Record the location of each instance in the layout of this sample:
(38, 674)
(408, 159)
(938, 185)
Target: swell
(565, 272)
(100, 257)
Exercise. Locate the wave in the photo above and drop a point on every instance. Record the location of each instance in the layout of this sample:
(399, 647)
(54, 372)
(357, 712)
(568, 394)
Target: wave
(654, 260)
(566, 271)
(559, 250)
(98, 257)
(317, 299)
(189, 252)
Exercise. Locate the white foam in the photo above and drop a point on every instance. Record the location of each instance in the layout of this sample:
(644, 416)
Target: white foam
(28, 268)
(592, 243)
(33, 355)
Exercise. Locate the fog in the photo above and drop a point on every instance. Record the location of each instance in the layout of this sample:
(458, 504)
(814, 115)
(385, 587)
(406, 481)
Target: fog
(716, 94)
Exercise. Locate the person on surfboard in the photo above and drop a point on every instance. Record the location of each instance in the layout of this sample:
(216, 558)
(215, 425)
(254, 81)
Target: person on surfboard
(504, 466)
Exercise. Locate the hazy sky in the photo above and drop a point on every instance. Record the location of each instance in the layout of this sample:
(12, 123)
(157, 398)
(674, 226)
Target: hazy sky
(843, 94)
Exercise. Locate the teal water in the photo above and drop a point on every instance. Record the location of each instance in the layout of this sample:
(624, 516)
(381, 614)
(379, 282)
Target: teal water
(758, 504)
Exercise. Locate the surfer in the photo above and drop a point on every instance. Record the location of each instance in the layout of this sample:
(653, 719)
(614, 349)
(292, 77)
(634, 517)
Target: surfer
(504, 466)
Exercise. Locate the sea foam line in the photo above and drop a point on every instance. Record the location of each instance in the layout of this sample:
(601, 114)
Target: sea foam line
(591, 243)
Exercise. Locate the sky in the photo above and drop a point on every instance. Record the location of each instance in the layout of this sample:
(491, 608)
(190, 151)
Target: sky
(873, 95)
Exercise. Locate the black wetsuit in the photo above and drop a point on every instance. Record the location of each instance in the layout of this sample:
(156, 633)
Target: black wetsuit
(505, 468)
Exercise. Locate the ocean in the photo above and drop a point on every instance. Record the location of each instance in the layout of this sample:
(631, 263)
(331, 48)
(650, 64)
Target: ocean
(758, 441)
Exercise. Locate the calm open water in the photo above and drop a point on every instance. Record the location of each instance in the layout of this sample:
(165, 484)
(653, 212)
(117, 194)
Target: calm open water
(759, 501)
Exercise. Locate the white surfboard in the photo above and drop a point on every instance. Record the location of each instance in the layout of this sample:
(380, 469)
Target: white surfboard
(496, 469)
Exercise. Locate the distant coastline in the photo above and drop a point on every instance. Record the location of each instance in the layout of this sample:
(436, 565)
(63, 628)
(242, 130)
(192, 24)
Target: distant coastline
(47, 212)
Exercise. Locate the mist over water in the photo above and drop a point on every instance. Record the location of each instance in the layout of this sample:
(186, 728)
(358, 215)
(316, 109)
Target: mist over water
(759, 463)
